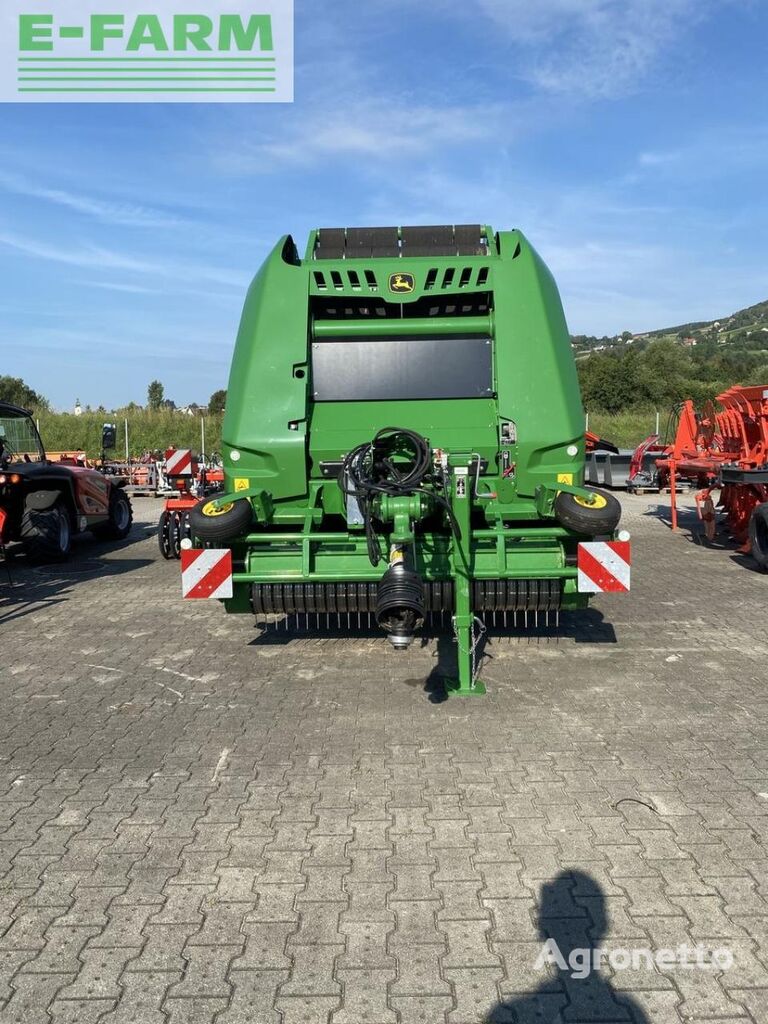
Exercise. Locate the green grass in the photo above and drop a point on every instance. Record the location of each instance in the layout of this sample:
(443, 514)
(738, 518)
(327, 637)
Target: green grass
(626, 429)
(64, 432)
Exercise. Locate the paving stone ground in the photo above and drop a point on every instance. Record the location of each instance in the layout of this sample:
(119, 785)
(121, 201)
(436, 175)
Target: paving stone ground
(197, 825)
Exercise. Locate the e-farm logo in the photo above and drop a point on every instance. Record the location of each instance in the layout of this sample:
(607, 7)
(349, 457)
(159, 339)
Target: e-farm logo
(146, 51)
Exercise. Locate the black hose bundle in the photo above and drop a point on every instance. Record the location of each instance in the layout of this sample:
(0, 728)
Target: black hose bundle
(371, 470)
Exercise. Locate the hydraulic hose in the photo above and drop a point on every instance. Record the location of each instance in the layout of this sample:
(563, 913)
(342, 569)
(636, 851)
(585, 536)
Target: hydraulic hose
(370, 470)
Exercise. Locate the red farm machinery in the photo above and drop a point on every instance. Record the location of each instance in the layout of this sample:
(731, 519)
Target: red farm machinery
(190, 480)
(723, 448)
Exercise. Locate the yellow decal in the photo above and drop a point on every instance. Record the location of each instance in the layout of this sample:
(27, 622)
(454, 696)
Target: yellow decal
(401, 282)
(242, 485)
(211, 510)
(565, 478)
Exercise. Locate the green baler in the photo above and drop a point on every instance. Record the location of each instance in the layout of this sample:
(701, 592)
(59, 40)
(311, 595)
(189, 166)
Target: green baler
(404, 437)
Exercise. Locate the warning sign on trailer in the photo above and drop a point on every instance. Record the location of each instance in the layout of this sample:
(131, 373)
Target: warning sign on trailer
(178, 462)
(604, 567)
(206, 574)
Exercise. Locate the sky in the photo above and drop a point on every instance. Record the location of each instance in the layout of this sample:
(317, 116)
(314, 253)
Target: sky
(627, 139)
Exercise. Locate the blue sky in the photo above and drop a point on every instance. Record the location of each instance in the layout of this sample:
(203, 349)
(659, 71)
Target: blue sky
(627, 138)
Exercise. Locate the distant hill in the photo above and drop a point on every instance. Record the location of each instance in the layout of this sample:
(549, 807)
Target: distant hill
(734, 328)
(748, 329)
(660, 368)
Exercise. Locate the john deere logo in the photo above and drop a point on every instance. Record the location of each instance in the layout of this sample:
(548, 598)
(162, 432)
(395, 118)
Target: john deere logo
(401, 283)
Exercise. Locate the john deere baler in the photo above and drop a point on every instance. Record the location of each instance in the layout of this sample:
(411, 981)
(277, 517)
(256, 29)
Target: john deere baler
(404, 437)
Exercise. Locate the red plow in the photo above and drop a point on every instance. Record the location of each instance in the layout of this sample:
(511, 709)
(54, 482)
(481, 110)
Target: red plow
(724, 448)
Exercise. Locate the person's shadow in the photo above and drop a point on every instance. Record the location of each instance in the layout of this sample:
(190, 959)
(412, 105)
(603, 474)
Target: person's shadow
(572, 923)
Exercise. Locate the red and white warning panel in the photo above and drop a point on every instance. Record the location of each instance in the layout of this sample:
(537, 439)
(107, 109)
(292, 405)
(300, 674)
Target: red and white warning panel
(206, 574)
(604, 567)
(178, 462)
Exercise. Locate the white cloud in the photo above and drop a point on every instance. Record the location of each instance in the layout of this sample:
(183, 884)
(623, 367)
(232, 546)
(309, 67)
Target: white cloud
(659, 158)
(109, 212)
(377, 132)
(591, 48)
(97, 257)
(131, 289)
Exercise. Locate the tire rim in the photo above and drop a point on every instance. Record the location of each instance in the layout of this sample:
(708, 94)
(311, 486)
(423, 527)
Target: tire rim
(165, 535)
(211, 510)
(175, 531)
(122, 514)
(595, 501)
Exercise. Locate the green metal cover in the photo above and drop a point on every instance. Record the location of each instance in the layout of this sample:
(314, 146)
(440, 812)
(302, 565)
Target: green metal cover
(281, 436)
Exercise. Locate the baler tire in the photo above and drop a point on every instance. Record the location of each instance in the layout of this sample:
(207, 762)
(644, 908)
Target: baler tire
(758, 534)
(590, 520)
(233, 520)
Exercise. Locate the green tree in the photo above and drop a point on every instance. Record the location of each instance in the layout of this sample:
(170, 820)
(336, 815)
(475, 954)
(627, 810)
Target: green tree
(155, 395)
(217, 401)
(14, 391)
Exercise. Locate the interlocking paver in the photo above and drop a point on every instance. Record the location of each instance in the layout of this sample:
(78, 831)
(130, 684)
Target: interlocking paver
(422, 1009)
(307, 1009)
(265, 948)
(194, 1010)
(162, 949)
(417, 924)
(476, 990)
(99, 975)
(294, 834)
(313, 972)
(142, 998)
(253, 997)
(61, 951)
(81, 1011)
(364, 998)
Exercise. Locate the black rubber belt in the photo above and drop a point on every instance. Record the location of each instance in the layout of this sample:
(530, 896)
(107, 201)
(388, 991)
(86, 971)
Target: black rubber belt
(382, 243)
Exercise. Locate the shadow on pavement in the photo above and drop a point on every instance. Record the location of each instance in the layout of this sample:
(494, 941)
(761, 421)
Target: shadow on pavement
(27, 588)
(572, 919)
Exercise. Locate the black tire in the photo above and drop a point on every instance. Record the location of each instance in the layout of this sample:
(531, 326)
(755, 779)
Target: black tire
(590, 520)
(47, 534)
(120, 519)
(164, 535)
(758, 534)
(233, 521)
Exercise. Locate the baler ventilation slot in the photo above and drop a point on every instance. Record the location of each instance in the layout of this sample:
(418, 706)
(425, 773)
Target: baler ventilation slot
(450, 279)
(344, 281)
